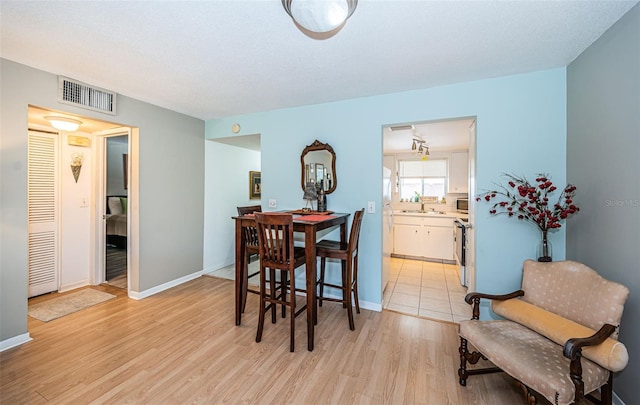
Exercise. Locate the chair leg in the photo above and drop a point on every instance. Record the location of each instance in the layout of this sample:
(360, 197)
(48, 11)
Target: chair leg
(272, 293)
(346, 291)
(283, 291)
(263, 283)
(245, 281)
(606, 391)
(462, 371)
(345, 288)
(323, 262)
(354, 283)
(292, 299)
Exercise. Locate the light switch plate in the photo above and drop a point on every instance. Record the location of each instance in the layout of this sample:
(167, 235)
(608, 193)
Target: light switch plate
(371, 207)
(272, 203)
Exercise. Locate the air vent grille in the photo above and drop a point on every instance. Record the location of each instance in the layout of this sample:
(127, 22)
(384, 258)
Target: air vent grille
(401, 128)
(85, 96)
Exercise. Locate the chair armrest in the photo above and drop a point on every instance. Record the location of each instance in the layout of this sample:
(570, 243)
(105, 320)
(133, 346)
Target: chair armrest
(573, 347)
(573, 350)
(473, 298)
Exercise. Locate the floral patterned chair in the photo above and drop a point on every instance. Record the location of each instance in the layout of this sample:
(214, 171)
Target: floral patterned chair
(558, 337)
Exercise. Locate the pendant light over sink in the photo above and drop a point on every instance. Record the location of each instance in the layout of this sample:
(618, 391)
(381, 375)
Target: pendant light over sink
(320, 16)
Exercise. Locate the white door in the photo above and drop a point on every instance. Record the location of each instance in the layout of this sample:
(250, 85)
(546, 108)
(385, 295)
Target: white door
(43, 213)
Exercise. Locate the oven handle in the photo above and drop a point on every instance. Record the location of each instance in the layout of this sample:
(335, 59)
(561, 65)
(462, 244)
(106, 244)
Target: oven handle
(461, 225)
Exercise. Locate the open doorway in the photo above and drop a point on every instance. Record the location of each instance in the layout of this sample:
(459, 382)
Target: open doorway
(112, 197)
(116, 226)
(427, 173)
(229, 163)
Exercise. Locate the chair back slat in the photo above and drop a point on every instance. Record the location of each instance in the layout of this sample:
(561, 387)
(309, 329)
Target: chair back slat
(250, 233)
(275, 240)
(354, 236)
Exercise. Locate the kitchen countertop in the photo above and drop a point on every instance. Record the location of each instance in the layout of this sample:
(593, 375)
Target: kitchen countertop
(430, 214)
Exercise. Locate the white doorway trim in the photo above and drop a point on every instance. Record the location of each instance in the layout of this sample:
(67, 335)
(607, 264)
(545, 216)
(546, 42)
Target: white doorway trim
(99, 197)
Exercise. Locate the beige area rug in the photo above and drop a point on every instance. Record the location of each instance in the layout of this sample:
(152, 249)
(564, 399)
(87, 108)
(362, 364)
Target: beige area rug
(67, 304)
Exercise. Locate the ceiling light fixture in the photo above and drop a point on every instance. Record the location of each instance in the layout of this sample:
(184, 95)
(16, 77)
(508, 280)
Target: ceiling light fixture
(63, 123)
(419, 144)
(320, 16)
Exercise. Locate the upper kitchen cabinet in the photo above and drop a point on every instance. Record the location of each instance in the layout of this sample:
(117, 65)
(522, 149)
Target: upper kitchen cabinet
(459, 172)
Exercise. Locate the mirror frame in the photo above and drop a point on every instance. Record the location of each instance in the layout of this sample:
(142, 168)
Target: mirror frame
(319, 146)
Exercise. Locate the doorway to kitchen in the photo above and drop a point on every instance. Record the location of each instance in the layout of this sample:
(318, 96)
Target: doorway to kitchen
(428, 170)
(426, 289)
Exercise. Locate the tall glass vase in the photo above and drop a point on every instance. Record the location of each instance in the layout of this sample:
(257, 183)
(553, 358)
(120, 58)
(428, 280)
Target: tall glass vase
(544, 249)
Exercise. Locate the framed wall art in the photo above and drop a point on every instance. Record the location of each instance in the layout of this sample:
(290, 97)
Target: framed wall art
(255, 186)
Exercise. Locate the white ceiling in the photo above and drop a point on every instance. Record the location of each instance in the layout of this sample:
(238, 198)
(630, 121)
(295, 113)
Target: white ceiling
(211, 59)
(438, 136)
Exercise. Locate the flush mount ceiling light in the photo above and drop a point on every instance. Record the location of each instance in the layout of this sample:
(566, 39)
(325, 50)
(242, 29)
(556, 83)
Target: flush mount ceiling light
(63, 123)
(320, 15)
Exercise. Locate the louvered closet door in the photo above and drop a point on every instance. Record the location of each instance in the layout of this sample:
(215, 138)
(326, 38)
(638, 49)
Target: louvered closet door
(43, 217)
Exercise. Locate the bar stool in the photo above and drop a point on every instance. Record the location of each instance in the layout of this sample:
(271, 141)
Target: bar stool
(277, 252)
(348, 254)
(251, 248)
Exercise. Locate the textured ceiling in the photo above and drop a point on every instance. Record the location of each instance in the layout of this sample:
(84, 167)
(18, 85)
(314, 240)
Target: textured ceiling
(211, 59)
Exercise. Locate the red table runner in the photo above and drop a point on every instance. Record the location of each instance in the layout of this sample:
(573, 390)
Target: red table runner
(314, 218)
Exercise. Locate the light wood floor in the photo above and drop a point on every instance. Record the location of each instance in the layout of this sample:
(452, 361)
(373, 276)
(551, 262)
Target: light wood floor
(116, 267)
(182, 346)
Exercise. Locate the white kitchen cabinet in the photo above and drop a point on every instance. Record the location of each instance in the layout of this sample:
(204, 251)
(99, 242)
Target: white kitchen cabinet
(438, 243)
(408, 240)
(459, 172)
(421, 236)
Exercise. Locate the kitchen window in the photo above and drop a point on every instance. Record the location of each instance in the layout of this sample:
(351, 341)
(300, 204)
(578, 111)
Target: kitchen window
(425, 177)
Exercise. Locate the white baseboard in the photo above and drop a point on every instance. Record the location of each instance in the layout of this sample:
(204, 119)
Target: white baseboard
(372, 306)
(69, 287)
(151, 291)
(616, 400)
(15, 341)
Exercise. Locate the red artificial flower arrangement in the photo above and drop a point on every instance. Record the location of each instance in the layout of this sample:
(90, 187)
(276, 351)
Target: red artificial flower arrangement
(530, 202)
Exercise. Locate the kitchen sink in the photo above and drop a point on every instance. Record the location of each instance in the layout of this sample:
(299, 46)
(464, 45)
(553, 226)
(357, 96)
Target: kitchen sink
(425, 212)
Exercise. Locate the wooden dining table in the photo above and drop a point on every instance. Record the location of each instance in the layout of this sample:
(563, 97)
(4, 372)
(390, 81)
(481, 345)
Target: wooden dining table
(310, 225)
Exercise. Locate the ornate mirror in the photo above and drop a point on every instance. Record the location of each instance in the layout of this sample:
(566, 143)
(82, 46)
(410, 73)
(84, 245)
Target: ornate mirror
(319, 165)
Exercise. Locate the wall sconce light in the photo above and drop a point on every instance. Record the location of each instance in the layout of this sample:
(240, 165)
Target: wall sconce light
(76, 164)
(63, 123)
(320, 16)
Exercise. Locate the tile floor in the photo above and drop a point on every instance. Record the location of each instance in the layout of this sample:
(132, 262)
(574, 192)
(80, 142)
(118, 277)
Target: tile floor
(426, 289)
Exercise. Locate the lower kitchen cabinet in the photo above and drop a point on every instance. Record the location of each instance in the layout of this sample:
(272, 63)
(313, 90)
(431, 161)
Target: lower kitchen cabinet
(408, 240)
(438, 243)
(425, 237)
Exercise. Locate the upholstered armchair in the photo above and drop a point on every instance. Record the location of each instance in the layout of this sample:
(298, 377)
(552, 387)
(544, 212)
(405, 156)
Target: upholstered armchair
(558, 337)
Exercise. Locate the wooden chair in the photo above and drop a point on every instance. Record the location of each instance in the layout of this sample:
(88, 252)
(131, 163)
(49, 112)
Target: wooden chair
(277, 252)
(251, 243)
(348, 254)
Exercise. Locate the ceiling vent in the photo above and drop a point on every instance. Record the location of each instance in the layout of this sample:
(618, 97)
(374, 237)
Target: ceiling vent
(85, 96)
(402, 128)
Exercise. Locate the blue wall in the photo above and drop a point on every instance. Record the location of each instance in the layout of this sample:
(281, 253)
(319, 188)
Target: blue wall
(521, 128)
